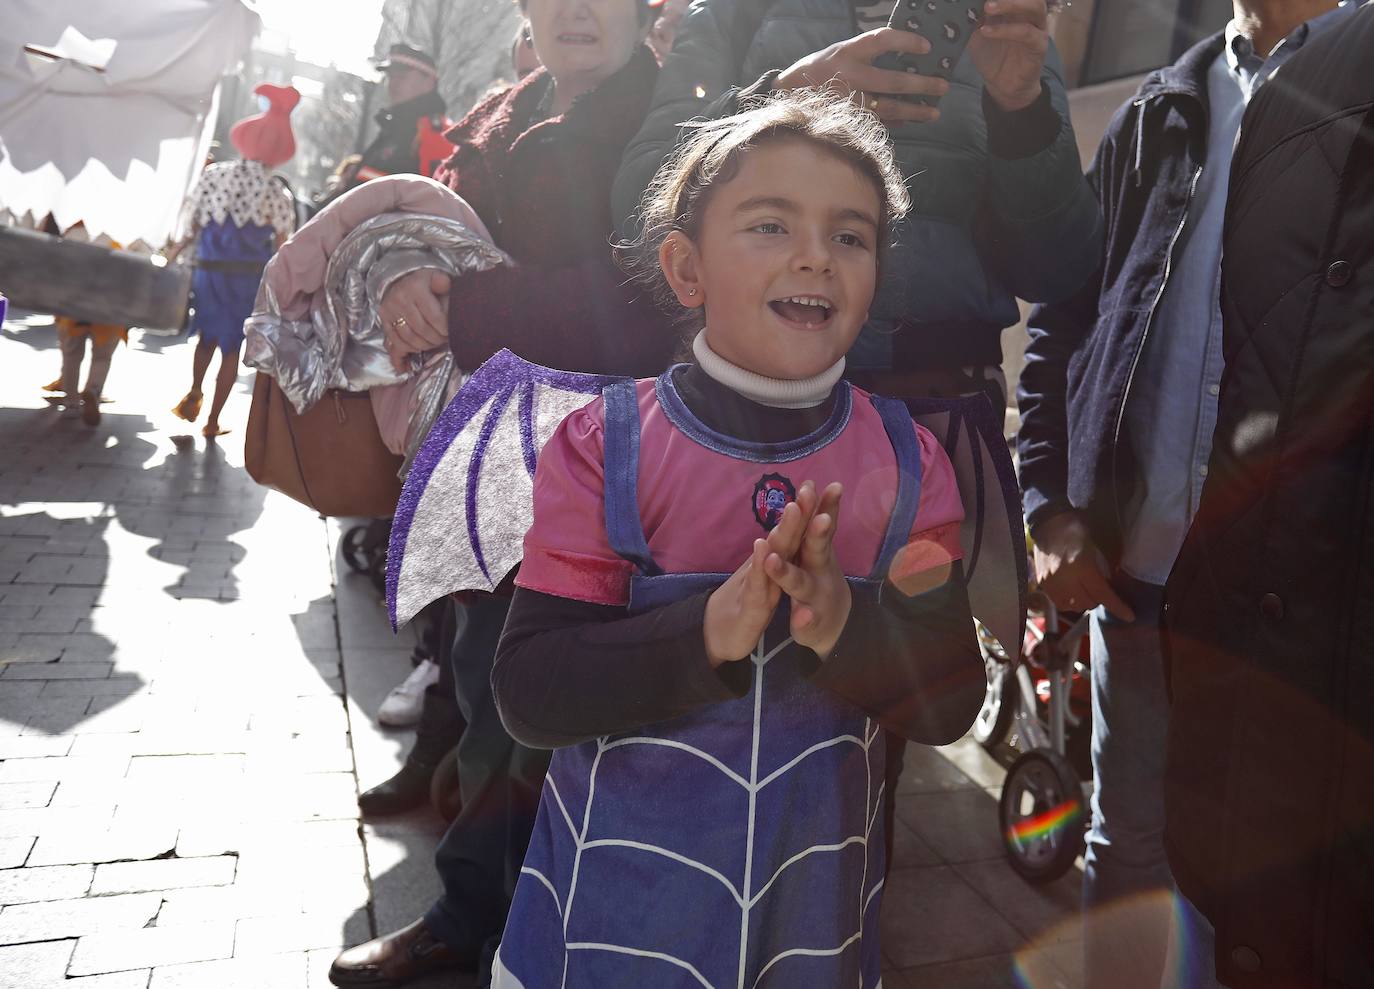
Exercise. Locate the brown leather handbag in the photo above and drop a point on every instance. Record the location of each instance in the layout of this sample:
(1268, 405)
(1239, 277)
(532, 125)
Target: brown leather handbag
(330, 457)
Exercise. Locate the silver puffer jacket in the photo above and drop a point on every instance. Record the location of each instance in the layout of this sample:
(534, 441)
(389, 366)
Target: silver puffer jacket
(340, 343)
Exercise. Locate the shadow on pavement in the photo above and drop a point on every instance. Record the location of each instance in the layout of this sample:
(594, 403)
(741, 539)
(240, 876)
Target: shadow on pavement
(35, 330)
(68, 491)
(156, 343)
(400, 847)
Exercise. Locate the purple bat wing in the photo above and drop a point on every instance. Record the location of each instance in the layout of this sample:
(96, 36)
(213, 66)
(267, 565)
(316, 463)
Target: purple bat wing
(468, 499)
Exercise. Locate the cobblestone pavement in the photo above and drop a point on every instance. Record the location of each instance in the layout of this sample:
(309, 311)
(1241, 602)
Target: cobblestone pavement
(180, 764)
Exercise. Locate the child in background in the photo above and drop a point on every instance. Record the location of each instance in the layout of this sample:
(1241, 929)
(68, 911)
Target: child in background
(709, 638)
(72, 335)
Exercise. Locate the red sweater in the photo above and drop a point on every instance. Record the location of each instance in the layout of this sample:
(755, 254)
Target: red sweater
(544, 191)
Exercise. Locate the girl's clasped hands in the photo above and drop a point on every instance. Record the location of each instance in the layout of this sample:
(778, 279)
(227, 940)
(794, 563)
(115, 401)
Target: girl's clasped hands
(797, 559)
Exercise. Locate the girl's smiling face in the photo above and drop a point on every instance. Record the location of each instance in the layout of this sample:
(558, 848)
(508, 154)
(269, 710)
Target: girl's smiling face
(785, 260)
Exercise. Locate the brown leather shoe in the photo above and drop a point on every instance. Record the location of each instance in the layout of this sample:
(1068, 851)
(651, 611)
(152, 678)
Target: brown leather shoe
(397, 958)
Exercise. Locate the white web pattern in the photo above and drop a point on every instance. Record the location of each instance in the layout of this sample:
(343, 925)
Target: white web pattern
(743, 895)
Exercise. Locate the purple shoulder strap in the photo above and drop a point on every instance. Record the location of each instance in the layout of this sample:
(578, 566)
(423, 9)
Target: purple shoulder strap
(623, 525)
(901, 433)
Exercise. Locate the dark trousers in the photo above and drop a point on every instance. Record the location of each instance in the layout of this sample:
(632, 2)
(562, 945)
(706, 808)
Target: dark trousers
(480, 855)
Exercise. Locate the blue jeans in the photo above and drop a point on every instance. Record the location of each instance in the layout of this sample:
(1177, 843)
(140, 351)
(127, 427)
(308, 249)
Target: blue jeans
(1138, 931)
(1128, 891)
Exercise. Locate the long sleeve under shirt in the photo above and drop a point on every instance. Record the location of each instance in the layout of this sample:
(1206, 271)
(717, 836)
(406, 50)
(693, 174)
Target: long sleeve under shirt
(568, 671)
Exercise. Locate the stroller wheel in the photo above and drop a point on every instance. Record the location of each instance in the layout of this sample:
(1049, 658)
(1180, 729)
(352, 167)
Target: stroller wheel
(1042, 814)
(353, 547)
(999, 699)
(443, 787)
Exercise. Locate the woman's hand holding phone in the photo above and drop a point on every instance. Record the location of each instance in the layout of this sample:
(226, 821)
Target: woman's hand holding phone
(1009, 50)
(848, 67)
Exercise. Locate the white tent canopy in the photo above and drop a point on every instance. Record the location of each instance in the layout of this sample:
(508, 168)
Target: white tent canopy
(106, 108)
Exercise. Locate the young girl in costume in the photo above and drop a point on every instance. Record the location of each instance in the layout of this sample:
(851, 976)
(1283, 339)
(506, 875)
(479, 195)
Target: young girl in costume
(738, 573)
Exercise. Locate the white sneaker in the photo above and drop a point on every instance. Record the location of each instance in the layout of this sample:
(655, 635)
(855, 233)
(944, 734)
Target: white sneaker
(402, 706)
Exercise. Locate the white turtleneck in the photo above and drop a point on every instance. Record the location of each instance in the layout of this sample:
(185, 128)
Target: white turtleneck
(780, 393)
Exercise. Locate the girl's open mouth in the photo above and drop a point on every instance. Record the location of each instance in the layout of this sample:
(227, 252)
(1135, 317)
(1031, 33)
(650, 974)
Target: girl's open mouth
(807, 310)
(577, 39)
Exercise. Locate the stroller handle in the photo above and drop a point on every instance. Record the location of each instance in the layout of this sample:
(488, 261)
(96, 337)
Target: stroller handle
(1058, 645)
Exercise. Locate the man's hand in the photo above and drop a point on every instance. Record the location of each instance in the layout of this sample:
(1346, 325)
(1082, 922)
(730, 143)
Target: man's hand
(1069, 568)
(414, 314)
(1009, 51)
(847, 67)
(820, 595)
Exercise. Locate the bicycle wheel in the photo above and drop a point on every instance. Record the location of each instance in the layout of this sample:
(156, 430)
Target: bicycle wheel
(1042, 814)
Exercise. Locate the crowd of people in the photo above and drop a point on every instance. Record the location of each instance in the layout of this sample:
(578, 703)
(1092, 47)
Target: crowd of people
(807, 243)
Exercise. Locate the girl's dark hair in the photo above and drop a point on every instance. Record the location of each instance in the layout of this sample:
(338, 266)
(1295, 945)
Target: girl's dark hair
(676, 198)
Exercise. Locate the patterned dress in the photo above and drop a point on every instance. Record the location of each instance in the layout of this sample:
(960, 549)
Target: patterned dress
(239, 212)
(739, 846)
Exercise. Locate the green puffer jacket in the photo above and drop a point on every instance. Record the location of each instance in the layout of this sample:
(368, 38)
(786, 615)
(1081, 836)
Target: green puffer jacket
(985, 227)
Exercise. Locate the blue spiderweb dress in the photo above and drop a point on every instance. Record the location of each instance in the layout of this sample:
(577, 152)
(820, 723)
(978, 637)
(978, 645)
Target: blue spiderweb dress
(739, 847)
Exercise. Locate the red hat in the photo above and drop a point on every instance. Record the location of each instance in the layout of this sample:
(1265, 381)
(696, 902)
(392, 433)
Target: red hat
(267, 137)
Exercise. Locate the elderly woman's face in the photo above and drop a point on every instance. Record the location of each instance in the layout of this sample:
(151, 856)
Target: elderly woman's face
(584, 40)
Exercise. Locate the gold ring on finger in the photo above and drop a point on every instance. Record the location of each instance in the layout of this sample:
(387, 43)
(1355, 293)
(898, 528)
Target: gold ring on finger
(871, 102)
(399, 322)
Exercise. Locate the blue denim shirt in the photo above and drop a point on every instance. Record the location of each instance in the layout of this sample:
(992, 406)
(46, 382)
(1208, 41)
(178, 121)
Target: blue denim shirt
(1172, 409)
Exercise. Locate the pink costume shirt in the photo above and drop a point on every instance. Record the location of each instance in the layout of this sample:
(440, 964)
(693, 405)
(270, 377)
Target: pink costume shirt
(701, 499)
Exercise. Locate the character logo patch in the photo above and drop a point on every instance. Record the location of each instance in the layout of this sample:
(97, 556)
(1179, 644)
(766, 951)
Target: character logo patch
(772, 494)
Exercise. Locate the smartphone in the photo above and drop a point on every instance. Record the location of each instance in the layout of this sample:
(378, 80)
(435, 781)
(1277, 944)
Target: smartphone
(946, 24)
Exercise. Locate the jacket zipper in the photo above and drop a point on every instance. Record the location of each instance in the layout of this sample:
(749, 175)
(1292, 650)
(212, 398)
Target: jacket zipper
(1149, 319)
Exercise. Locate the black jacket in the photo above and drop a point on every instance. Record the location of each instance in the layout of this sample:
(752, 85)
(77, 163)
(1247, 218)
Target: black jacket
(543, 188)
(396, 148)
(1270, 769)
(1083, 352)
